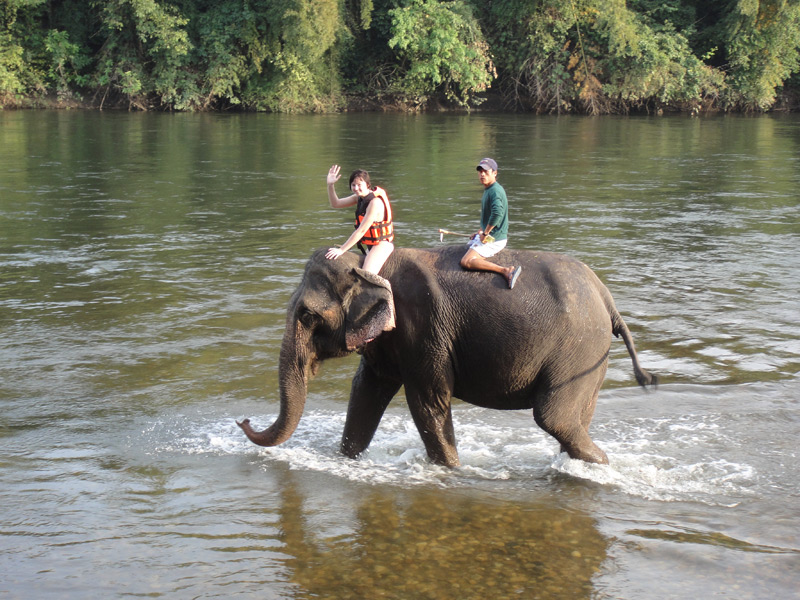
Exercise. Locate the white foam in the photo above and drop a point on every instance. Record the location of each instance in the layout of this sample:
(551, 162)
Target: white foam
(656, 477)
(652, 458)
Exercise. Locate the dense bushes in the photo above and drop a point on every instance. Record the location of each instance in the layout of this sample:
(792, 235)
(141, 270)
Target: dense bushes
(591, 56)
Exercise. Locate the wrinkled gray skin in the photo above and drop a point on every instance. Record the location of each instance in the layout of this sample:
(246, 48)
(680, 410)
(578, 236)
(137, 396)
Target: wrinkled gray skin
(543, 345)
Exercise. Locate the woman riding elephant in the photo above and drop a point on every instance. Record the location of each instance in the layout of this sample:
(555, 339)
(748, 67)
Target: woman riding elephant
(374, 226)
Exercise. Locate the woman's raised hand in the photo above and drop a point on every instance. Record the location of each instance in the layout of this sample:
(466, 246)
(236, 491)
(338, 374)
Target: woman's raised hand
(333, 174)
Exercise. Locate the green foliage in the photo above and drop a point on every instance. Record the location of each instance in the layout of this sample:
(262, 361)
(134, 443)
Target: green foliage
(296, 69)
(18, 73)
(761, 37)
(649, 62)
(302, 75)
(145, 47)
(591, 56)
(66, 63)
(12, 66)
(231, 40)
(442, 49)
(601, 56)
(534, 44)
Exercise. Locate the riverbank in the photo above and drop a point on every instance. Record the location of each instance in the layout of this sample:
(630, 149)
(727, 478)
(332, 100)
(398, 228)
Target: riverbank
(786, 102)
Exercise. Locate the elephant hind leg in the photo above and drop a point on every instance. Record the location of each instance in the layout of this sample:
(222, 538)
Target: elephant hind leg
(565, 414)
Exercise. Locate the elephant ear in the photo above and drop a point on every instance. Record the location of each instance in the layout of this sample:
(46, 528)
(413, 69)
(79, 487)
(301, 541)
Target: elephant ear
(368, 308)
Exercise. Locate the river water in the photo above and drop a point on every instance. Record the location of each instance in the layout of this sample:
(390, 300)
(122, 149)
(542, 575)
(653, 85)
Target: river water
(146, 261)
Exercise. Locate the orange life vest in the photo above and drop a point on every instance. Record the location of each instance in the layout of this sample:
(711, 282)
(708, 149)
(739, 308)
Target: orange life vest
(380, 230)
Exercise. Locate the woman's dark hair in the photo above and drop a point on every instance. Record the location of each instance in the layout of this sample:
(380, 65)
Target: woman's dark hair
(360, 174)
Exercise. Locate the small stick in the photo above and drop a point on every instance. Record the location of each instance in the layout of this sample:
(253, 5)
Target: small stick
(443, 232)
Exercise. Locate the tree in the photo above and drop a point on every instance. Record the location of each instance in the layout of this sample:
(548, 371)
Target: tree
(303, 72)
(145, 47)
(597, 56)
(18, 29)
(589, 56)
(441, 49)
(761, 38)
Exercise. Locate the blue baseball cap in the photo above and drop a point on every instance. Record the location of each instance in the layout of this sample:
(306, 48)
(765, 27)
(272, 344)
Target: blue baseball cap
(486, 164)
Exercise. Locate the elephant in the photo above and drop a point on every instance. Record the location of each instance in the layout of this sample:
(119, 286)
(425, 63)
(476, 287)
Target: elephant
(543, 345)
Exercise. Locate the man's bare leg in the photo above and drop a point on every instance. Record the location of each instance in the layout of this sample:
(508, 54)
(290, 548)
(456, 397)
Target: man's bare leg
(472, 261)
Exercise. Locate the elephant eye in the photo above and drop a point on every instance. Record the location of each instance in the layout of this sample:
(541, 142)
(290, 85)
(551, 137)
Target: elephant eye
(307, 317)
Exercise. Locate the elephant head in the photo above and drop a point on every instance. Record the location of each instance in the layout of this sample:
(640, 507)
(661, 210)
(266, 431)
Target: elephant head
(338, 308)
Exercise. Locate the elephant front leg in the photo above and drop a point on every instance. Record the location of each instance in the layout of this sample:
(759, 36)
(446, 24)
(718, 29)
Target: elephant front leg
(434, 420)
(369, 397)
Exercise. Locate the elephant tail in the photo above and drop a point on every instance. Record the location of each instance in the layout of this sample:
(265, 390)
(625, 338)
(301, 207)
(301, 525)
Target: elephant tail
(619, 328)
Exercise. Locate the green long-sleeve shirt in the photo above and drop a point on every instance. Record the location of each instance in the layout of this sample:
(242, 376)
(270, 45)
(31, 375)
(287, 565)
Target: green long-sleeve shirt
(494, 211)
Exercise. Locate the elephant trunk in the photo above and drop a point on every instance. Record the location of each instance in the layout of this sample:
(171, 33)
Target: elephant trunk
(295, 362)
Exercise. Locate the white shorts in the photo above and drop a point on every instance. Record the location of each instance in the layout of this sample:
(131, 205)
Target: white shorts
(486, 250)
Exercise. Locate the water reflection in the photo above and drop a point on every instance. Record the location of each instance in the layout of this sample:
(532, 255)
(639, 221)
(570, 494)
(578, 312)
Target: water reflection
(440, 544)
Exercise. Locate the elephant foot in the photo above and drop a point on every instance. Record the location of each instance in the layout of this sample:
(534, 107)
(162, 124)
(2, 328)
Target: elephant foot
(445, 459)
(599, 457)
(591, 454)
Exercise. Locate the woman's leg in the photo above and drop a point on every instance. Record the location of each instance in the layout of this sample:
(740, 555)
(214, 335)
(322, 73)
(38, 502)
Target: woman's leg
(376, 256)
